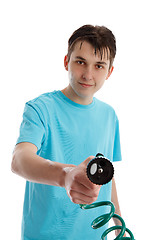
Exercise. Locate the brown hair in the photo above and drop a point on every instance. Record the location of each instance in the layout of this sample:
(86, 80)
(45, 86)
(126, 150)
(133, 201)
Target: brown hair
(100, 37)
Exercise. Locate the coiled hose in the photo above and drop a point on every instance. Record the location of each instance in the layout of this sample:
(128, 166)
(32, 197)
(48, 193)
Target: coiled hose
(100, 171)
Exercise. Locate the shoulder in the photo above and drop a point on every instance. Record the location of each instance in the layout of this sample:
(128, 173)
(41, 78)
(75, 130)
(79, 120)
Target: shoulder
(105, 107)
(43, 105)
(45, 100)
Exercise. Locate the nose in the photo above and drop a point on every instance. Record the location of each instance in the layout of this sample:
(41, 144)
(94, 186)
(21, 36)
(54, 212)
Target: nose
(88, 74)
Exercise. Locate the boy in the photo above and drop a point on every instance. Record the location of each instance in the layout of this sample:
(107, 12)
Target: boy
(60, 133)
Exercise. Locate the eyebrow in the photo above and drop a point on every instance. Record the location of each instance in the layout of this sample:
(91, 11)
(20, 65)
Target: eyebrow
(103, 63)
(83, 59)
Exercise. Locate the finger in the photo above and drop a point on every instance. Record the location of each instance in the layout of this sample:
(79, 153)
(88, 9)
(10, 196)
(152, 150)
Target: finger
(86, 161)
(80, 198)
(83, 179)
(78, 187)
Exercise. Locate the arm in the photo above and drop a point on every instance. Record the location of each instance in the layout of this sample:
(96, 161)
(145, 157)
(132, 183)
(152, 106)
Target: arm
(29, 165)
(114, 199)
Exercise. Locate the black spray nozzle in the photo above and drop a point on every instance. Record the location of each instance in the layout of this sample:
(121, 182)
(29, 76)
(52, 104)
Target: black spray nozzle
(100, 170)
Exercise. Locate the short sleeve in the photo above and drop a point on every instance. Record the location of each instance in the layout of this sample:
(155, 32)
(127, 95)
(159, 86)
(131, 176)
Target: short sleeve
(32, 127)
(117, 146)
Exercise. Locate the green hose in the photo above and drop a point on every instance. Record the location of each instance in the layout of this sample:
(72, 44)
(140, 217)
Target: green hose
(100, 171)
(103, 219)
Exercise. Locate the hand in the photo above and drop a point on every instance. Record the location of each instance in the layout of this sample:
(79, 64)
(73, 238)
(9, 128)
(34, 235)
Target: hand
(78, 187)
(117, 232)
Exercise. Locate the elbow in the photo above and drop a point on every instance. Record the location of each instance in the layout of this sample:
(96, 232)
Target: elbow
(14, 167)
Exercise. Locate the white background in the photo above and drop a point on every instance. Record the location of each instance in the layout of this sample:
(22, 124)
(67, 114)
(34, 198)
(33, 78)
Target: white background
(33, 43)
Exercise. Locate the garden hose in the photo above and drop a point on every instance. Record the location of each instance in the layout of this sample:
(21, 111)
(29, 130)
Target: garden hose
(100, 171)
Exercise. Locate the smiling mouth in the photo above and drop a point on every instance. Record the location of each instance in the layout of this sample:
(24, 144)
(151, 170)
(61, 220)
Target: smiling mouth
(85, 85)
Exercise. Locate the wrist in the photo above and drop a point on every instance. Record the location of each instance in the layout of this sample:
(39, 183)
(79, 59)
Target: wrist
(59, 172)
(66, 169)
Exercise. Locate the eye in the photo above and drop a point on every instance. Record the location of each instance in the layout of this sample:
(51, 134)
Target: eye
(80, 62)
(99, 66)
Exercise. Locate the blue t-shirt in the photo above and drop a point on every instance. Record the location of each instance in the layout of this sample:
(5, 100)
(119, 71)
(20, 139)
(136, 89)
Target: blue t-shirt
(65, 132)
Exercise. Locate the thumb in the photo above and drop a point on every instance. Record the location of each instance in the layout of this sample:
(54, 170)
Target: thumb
(87, 160)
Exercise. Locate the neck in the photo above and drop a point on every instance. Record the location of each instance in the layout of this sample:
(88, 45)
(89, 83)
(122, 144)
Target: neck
(68, 92)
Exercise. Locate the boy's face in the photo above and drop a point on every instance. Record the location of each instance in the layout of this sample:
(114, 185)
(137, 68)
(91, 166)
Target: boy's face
(87, 72)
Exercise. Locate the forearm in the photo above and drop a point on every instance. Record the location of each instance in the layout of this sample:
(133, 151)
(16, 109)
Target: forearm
(34, 168)
(114, 199)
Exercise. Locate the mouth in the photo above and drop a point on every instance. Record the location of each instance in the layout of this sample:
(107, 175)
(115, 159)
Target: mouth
(85, 85)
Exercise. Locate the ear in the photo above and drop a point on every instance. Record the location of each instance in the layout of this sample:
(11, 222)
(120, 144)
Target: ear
(66, 62)
(110, 72)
